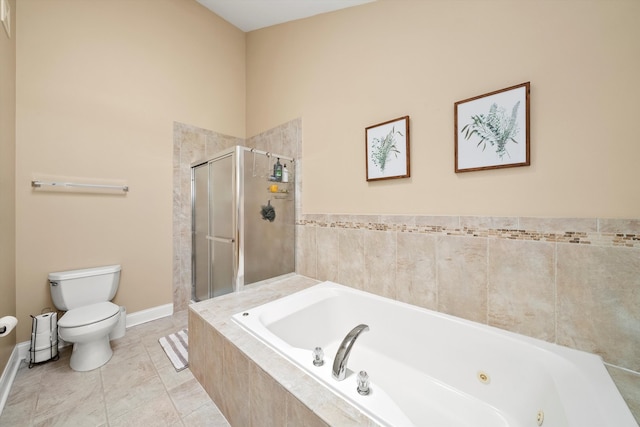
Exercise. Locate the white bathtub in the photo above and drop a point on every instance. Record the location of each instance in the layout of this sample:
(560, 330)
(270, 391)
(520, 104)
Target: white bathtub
(431, 369)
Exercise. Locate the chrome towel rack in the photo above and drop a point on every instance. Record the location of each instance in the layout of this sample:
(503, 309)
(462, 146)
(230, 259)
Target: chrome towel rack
(38, 184)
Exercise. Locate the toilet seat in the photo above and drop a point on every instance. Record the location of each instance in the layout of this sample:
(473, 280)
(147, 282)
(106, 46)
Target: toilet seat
(88, 315)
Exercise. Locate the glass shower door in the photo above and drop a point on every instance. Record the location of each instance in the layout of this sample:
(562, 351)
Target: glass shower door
(200, 231)
(222, 225)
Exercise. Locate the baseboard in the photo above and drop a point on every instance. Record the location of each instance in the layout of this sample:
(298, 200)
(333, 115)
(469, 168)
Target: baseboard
(144, 316)
(9, 374)
(21, 350)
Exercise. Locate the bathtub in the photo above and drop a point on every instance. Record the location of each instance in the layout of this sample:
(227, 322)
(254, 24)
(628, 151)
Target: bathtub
(429, 368)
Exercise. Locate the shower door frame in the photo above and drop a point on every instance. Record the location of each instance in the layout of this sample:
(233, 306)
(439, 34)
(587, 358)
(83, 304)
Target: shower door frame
(238, 154)
(237, 227)
(195, 291)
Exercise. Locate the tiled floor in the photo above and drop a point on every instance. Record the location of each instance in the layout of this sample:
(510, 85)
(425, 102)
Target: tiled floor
(137, 387)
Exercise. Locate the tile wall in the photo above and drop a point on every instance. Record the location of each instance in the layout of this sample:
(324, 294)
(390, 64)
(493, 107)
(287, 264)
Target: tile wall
(574, 282)
(526, 275)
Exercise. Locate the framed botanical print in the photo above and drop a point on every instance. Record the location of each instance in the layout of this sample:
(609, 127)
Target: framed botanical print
(387, 150)
(492, 130)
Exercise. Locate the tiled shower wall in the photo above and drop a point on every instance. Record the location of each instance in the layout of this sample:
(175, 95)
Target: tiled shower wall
(192, 144)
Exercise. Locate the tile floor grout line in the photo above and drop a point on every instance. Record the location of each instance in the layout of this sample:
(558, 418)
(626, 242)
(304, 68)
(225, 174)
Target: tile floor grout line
(104, 399)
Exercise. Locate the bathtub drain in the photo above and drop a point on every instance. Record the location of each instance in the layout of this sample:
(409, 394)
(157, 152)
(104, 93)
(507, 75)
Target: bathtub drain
(483, 377)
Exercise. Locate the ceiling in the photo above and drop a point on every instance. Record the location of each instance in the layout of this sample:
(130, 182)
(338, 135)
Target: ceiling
(249, 15)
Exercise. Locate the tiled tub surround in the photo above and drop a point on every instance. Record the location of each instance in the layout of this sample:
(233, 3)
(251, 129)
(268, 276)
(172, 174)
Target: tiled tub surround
(250, 383)
(253, 385)
(575, 282)
(193, 144)
(426, 366)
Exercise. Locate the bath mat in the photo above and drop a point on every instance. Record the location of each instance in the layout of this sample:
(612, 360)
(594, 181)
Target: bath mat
(176, 348)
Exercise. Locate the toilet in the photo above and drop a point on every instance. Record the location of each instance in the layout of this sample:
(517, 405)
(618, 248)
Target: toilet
(90, 315)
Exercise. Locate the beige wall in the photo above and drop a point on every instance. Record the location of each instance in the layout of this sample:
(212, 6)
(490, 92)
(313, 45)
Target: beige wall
(7, 182)
(99, 86)
(344, 71)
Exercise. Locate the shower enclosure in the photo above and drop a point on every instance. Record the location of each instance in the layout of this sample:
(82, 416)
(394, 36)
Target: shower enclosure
(243, 223)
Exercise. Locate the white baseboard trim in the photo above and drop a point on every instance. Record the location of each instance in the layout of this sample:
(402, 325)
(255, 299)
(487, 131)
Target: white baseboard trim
(144, 316)
(21, 350)
(8, 375)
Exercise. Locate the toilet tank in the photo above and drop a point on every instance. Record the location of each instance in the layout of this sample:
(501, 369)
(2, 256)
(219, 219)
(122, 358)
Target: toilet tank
(76, 288)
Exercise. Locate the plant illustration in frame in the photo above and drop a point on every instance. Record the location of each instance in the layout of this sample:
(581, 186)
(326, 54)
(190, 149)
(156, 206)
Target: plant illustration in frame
(387, 150)
(492, 130)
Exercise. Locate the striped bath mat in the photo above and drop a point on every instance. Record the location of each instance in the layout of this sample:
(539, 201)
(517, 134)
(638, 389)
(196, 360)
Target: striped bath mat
(176, 347)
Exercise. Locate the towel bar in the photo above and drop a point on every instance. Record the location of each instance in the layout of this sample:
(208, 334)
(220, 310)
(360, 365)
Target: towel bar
(38, 184)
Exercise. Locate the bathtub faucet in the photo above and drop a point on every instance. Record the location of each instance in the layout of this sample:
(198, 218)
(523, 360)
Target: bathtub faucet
(342, 355)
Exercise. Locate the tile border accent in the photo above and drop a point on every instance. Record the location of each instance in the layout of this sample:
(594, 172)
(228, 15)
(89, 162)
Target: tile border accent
(586, 231)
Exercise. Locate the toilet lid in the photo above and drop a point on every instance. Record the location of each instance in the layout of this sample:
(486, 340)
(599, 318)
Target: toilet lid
(88, 314)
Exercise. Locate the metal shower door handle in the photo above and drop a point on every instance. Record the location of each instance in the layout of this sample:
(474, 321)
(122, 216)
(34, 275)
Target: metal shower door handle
(221, 239)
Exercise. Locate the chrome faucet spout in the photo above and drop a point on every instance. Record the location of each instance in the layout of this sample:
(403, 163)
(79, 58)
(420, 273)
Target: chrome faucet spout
(342, 355)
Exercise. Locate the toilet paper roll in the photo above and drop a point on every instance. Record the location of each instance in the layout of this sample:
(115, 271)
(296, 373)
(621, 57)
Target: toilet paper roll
(46, 323)
(8, 322)
(41, 341)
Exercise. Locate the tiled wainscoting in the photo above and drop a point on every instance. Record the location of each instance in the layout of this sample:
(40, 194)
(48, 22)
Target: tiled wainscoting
(574, 282)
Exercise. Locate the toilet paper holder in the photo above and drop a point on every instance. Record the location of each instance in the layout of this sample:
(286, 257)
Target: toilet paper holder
(44, 339)
(7, 324)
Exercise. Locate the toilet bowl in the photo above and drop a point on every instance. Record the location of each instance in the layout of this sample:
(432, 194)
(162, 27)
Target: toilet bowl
(88, 328)
(90, 316)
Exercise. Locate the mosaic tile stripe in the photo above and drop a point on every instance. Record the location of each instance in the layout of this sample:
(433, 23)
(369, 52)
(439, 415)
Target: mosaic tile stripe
(627, 236)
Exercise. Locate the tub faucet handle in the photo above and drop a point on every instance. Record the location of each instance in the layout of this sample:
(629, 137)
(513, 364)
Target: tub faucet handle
(318, 356)
(363, 383)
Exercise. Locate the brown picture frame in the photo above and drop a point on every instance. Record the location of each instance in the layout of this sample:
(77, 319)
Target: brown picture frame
(492, 131)
(387, 150)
